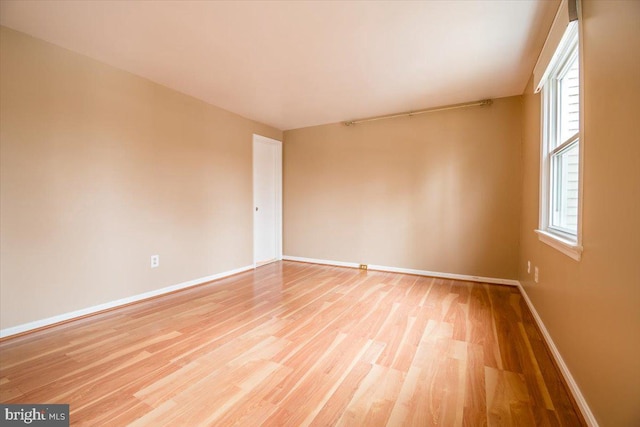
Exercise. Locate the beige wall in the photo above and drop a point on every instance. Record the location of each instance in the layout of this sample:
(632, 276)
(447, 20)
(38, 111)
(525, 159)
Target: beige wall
(437, 192)
(100, 170)
(592, 307)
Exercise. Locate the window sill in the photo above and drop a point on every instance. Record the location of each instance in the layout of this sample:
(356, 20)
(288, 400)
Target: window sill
(567, 247)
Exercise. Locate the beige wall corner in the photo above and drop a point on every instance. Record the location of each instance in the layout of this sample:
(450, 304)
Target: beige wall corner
(591, 308)
(437, 192)
(102, 169)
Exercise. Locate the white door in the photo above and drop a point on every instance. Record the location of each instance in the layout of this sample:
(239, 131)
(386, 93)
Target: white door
(267, 200)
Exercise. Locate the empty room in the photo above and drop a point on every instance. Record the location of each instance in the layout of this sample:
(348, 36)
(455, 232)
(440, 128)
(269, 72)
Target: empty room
(320, 213)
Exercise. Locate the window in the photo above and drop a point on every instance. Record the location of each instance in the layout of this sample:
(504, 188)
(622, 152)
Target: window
(560, 157)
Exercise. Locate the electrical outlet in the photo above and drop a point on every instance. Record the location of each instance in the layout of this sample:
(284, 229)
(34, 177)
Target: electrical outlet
(528, 267)
(155, 261)
(363, 266)
(535, 276)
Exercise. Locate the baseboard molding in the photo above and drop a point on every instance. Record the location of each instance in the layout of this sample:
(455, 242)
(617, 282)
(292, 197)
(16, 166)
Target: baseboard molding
(464, 277)
(66, 317)
(573, 386)
(320, 261)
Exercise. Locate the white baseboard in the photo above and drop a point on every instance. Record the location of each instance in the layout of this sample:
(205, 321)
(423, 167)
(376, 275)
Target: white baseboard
(573, 386)
(7, 332)
(468, 278)
(320, 261)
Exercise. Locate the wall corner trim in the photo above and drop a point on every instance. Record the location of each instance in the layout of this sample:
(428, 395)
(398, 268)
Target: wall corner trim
(437, 274)
(564, 369)
(97, 309)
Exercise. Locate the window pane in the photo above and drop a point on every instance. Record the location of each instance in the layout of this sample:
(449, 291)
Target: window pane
(564, 202)
(569, 87)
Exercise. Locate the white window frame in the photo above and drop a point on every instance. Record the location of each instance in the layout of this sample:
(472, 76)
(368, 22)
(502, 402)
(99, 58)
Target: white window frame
(566, 242)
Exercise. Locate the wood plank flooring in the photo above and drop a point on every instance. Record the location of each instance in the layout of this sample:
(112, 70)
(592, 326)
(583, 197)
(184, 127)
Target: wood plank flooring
(293, 344)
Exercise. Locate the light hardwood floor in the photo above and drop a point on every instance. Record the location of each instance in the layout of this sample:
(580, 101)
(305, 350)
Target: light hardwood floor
(292, 344)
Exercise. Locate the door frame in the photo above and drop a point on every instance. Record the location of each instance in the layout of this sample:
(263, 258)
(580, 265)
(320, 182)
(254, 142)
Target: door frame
(259, 139)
